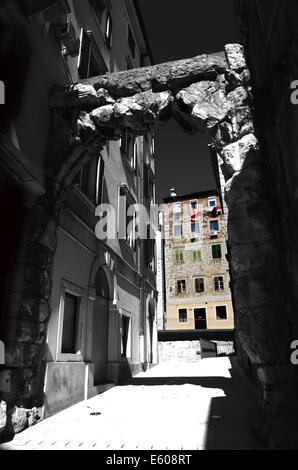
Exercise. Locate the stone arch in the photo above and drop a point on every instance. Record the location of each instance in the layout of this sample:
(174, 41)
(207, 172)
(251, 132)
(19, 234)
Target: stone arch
(100, 264)
(211, 92)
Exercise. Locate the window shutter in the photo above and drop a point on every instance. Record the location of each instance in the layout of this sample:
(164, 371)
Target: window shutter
(196, 255)
(181, 257)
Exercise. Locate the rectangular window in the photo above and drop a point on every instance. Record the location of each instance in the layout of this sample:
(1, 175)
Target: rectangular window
(126, 217)
(199, 285)
(71, 338)
(149, 183)
(197, 254)
(181, 286)
(99, 181)
(221, 312)
(182, 312)
(129, 149)
(195, 228)
(90, 60)
(177, 211)
(211, 201)
(214, 225)
(89, 180)
(70, 324)
(179, 255)
(125, 324)
(216, 252)
(177, 231)
(193, 204)
(131, 42)
(219, 283)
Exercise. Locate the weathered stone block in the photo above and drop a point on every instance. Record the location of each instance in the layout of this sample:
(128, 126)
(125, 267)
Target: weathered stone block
(6, 430)
(78, 95)
(224, 134)
(37, 282)
(19, 419)
(238, 97)
(14, 354)
(204, 101)
(44, 310)
(240, 154)
(85, 125)
(235, 56)
(27, 331)
(245, 186)
(3, 408)
(161, 77)
(49, 237)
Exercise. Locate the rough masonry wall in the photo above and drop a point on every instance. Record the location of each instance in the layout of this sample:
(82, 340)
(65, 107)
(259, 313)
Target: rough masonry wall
(269, 34)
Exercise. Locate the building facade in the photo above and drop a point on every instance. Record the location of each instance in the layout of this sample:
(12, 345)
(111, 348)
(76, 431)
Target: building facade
(196, 269)
(92, 322)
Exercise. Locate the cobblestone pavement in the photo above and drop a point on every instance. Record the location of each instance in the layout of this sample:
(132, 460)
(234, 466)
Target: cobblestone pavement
(204, 405)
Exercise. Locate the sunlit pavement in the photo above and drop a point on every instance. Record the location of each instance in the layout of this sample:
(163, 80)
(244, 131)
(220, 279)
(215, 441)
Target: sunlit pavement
(203, 405)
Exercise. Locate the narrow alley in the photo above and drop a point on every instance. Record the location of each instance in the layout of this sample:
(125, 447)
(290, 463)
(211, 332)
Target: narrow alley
(205, 405)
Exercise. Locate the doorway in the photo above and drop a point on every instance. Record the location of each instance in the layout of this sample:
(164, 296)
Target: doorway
(200, 319)
(100, 327)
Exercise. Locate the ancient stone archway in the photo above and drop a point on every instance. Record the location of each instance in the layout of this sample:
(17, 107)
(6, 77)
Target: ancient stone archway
(212, 92)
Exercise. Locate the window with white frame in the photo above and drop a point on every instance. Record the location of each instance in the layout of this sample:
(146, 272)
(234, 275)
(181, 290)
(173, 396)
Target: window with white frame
(182, 315)
(125, 336)
(177, 211)
(195, 229)
(177, 231)
(126, 217)
(218, 283)
(199, 285)
(129, 148)
(212, 201)
(221, 312)
(71, 314)
(181, 286)
(214, 226)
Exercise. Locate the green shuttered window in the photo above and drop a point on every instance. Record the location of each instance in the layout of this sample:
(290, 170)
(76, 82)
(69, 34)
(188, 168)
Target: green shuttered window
(179, 255)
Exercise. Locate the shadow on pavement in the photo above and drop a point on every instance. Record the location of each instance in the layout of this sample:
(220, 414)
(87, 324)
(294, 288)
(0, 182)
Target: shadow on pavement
(235, 420)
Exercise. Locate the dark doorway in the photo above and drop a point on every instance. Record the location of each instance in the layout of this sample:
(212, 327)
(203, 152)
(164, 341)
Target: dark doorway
(100, 327)
(200, 319)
